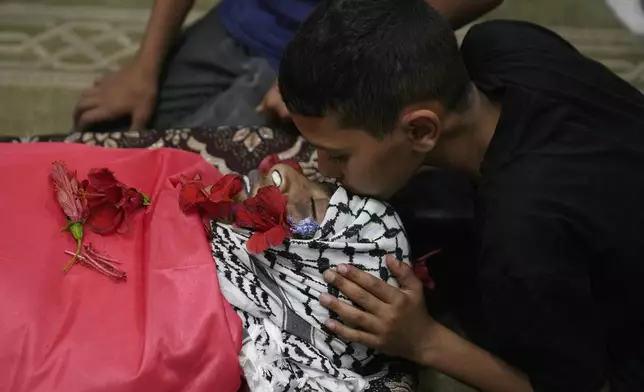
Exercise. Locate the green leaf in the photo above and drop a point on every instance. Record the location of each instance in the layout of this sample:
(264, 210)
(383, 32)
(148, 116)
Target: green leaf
(77, 230)
(66, 228)
(146, 199)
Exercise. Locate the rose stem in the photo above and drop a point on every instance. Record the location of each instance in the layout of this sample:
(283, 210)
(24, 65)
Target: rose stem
(99, 256)
(99, 267)
(71, 262)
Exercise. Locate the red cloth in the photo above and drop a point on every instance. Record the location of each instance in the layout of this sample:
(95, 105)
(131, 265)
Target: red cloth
(168, 328)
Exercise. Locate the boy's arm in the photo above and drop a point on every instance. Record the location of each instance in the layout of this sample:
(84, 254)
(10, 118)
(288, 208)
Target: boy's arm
(396, 322)
(560, 352)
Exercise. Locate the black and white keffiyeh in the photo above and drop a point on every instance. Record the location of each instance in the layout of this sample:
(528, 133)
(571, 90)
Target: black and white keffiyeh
(286, 347)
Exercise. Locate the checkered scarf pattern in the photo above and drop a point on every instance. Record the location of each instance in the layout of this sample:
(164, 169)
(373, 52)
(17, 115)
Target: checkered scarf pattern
(286, 347)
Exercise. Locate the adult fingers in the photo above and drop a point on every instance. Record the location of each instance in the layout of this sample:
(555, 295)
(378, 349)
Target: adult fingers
(404, 275)
(370, 283)
(282, 110)
(90, 92)
(354, 292)
(82, 106)
(86, 103)
(92, 116)
(349, 314)
(262, 106)
(353, 335)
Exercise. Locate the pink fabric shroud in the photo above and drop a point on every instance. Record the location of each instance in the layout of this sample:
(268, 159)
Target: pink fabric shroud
(168, 328)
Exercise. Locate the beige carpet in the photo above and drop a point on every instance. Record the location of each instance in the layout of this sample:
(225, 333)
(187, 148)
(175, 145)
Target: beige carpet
(51, 49)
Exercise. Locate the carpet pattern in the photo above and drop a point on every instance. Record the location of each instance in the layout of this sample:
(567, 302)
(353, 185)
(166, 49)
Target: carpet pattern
(49, 53)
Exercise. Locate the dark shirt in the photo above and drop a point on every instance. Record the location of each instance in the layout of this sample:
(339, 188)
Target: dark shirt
(265, 26)
(560, 212)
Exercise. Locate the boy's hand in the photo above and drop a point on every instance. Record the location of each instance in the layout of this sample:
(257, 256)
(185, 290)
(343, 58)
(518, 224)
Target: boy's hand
(394, 321)
(273, 102)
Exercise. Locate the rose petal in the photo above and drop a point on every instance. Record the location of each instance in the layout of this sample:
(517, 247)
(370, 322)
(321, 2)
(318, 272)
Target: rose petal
(218, 211)
(276, 235)
(108, 195)
(248, 218)
(68, 192)
(257, 243)
(133, 200)
(101, 178)
(105, 218)
(207, 225)
(263, 211)
(122, 228)
(422, 272)
(191, 194)
(226, 188)
(267, 163)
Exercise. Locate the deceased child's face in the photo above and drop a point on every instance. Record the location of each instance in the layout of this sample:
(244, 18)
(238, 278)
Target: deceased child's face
(306, 198)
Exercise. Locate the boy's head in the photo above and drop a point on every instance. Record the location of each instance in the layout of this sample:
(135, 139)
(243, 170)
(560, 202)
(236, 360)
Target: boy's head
(368, 82)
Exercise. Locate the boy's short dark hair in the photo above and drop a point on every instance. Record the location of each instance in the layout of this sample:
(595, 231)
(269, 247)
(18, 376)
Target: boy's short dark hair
(365, 60)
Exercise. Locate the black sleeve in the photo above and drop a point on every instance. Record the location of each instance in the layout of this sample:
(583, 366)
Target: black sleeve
(546, 327)
(500, 53)
(536, 296)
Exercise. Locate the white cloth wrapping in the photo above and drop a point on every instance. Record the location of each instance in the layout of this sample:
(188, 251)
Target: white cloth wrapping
(276, 294)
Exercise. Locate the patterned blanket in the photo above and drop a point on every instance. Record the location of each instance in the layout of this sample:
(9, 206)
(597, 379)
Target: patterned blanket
(229, 149)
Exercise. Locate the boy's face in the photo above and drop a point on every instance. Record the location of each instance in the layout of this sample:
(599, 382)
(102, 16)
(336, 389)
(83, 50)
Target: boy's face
(362, 163)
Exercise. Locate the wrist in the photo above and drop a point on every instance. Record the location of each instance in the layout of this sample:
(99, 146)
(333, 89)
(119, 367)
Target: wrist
(148, 65)
(435, 338)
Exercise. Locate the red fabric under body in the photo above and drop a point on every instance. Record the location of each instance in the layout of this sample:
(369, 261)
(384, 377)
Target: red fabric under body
(168, 328)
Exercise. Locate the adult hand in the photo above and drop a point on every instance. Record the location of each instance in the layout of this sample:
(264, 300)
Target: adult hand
(273, 102)
(129, 91)
(394, 321)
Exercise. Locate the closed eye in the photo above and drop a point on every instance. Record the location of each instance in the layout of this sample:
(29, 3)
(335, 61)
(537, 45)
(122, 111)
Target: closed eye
(313, 211)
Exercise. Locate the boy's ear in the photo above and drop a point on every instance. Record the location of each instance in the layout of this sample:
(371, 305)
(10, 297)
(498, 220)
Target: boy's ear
(423, 129)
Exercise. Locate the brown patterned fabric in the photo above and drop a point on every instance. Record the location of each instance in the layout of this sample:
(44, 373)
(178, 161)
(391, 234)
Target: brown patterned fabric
(229, 149)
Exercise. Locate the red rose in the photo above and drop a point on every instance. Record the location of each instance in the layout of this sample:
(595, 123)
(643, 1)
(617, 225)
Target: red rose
(216, 201)
(221, 200)
(101, 187)
(266, 214)
(422, 272)
(267, 163)
(192, 192)
(110, 201)
(133, 200)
